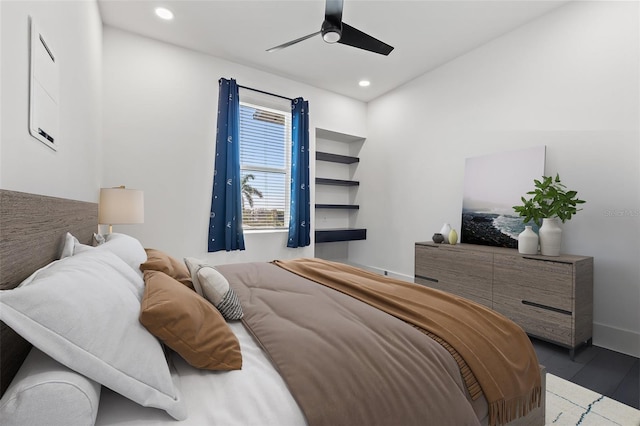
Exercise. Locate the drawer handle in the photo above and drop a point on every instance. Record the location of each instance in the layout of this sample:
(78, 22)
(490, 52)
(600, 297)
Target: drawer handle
(562, 262)
(433, 280)
(548, 308)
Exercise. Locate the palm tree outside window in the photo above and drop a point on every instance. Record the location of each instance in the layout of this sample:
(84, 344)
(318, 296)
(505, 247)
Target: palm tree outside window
(248, 191)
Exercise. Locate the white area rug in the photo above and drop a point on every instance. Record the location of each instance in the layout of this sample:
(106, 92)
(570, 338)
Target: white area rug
(569, 404)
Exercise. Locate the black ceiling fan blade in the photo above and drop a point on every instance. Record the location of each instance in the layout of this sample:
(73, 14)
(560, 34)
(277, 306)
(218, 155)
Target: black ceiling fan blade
(333, 11)
(356, 38)
(292, 42)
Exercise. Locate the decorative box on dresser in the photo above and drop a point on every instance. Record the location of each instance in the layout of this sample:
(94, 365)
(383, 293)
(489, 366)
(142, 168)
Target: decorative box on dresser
(551, 298)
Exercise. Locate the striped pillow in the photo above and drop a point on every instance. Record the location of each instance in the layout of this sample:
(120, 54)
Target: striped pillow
(213, 286)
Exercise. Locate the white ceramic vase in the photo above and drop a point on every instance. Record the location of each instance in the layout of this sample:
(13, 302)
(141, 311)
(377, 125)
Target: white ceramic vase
(528, 241)
(550, 237)
(446, 229)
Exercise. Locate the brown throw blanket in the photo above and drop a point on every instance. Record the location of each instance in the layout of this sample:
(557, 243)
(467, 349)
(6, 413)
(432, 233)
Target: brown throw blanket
(497, 350)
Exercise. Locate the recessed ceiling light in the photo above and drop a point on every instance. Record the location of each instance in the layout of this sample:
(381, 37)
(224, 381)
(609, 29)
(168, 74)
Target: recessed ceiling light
(364, 83)
(164, 13)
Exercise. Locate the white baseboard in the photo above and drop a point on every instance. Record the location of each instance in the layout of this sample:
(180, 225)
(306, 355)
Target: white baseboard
(617, 339)
(381, 271)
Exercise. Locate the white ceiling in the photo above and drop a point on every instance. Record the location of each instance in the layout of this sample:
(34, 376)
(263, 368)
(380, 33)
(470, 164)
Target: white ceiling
(425, 34)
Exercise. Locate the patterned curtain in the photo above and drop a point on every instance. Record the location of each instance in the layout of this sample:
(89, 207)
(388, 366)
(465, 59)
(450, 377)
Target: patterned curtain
(300, 221)
(225, 222)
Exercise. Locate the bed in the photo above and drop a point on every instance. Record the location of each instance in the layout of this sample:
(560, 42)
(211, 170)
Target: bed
(290, 360)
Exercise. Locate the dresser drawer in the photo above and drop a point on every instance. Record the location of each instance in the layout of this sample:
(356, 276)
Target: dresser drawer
(468, 275)
(540, 322)
(482, 296)
(431, 261)
(543, 282)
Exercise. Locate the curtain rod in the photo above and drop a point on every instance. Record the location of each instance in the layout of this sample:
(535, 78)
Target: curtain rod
(263, 92)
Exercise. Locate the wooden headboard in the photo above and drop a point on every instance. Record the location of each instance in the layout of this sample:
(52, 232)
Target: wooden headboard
(32, 230)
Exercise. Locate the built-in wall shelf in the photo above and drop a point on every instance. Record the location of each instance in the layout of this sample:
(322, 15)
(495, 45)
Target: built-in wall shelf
(340, 234)
(338, 136)
(336, 182)
(336, 158)
(338, 206)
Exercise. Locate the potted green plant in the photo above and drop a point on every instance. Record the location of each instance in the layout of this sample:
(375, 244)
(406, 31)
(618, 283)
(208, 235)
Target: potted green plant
(550, 202)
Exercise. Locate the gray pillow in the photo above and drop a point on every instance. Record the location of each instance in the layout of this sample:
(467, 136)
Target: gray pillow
(45, 392)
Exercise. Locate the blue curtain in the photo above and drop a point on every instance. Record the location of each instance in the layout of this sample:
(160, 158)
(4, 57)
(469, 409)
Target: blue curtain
(225, 221)
(300, 220)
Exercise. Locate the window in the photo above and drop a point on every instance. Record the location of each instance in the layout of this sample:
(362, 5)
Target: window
(265, 152)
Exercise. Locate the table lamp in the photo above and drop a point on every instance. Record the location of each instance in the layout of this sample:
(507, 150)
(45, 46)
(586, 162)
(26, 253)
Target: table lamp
(120, 206)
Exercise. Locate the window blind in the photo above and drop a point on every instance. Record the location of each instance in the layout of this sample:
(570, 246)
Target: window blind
(265, 155)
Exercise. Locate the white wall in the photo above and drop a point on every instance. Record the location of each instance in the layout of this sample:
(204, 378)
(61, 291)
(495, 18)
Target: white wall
(74, 30)
(160, 106)
(568, 80)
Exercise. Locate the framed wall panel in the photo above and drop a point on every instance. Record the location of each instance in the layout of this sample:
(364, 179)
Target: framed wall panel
(43, 89)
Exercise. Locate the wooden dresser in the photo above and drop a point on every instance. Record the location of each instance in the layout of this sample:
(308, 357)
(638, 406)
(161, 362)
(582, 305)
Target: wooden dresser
(551, 298)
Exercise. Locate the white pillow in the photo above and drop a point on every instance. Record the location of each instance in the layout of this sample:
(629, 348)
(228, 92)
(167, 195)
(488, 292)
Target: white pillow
(45, 392)
(83, 312)
(124, 246)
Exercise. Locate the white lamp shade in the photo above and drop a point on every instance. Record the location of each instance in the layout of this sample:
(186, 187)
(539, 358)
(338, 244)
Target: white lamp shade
(120, 206)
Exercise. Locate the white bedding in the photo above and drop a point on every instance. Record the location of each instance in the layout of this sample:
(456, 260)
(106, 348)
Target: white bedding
(255, 395)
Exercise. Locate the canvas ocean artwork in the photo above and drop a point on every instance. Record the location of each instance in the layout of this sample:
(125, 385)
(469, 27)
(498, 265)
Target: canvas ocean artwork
(493, 184)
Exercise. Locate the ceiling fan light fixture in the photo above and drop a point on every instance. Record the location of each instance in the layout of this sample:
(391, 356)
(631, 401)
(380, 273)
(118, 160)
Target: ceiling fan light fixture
(331, 36)
(331, 31)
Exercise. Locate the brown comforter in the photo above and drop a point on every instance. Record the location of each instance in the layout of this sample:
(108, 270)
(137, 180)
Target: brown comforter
(345, 362)
(497, 351)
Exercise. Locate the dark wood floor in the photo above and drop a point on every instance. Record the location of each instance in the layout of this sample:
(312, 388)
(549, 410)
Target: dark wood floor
(609, 373)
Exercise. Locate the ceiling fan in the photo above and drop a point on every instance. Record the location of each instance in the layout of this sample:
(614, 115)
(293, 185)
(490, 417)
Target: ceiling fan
(333, 30)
